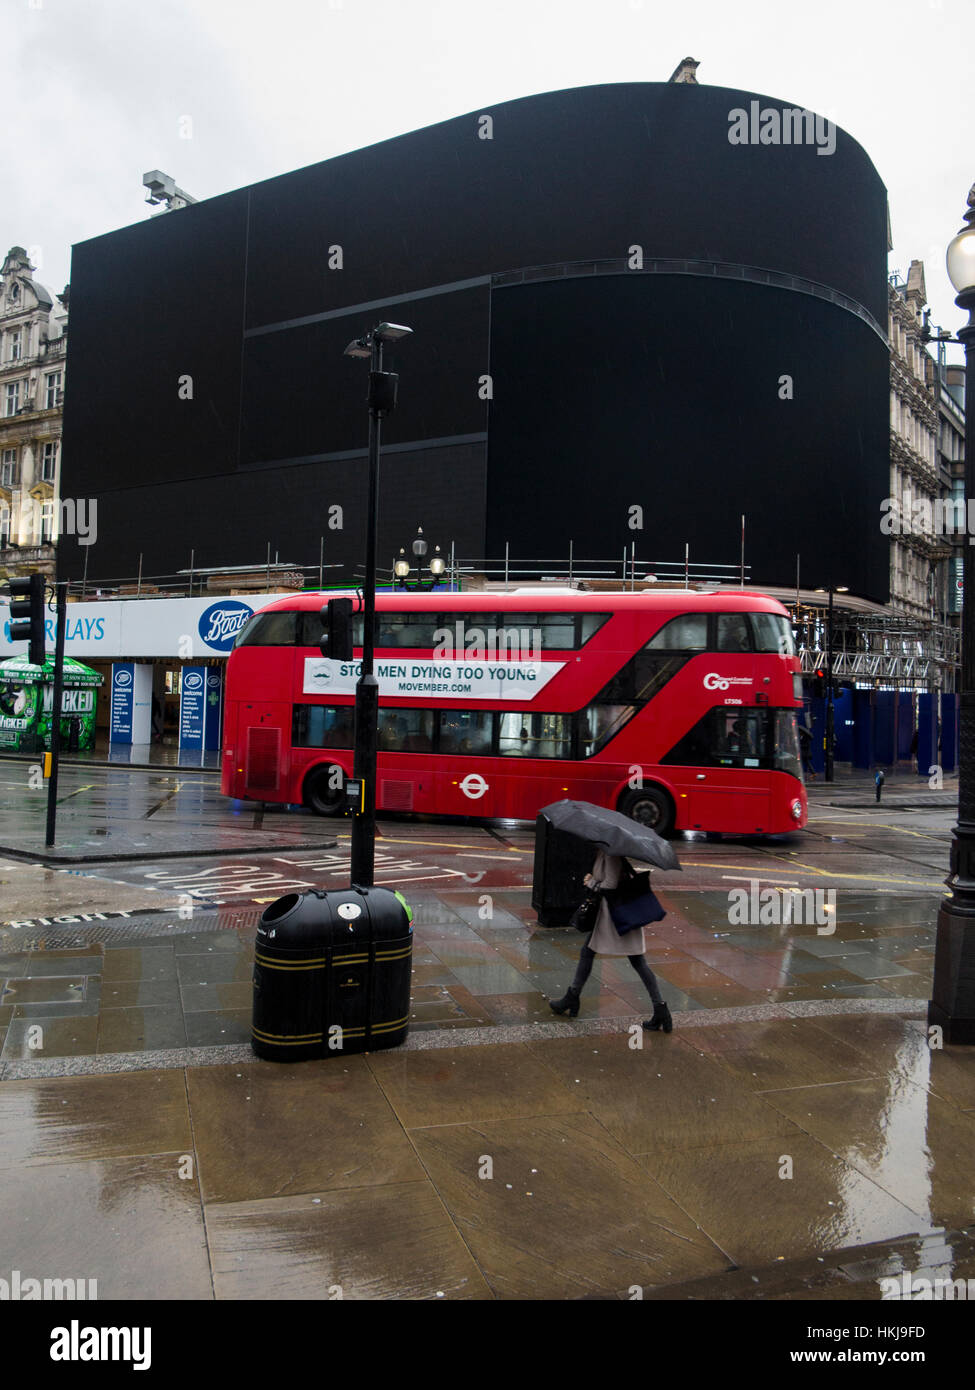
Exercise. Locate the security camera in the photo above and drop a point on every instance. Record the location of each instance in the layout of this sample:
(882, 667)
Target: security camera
(160, 186)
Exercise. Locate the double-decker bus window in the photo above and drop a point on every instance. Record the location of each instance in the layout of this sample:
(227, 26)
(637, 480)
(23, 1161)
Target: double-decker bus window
(466, 731)
(773, 633)
(599, 723)
(734, 634)
(311, 627)
(640, 679)
(322, 726)
(550, 631)
(409, 629)
(269, 630)
(527, 735)
(735, 737)
(588, 624)
(786, 756)
(686, 633)
(406, 730)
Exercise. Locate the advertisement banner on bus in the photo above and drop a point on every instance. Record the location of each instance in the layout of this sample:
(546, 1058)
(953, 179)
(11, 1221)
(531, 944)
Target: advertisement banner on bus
(480, 680)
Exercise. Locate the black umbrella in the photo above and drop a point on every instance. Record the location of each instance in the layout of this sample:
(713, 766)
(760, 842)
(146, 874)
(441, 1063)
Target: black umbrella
(611, 831)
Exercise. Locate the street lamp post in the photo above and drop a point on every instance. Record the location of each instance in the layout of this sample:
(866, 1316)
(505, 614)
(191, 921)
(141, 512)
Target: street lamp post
(382, 401)
(952, 1003)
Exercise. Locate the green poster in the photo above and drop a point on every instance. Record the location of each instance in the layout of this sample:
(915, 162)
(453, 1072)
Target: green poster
(27, 704)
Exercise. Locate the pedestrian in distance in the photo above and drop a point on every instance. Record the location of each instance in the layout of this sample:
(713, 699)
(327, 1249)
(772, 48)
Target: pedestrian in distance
(606, 940)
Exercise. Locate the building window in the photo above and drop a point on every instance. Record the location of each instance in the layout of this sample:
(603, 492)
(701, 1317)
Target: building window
(4, 525)
(47, 522)
(14, 292)
(53, 380)
(11, 402)
(49, 461)
(8, 468)
(16, 345)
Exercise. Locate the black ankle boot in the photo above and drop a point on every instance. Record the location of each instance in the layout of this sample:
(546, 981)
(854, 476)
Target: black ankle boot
(567, 1005)
(661, 1019)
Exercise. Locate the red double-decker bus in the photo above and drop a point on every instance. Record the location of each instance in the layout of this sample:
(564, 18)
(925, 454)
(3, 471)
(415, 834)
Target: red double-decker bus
(676, 707)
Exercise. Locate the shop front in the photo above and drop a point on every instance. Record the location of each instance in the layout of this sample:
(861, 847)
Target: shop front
(160, 661)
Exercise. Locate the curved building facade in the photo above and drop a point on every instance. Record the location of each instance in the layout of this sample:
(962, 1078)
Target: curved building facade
(614, 305)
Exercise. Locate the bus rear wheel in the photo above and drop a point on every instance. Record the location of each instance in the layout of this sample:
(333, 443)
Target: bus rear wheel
(324, 791)
(650, 806)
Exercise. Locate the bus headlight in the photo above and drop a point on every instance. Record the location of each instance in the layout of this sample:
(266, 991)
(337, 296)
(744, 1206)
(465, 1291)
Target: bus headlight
(797, 810)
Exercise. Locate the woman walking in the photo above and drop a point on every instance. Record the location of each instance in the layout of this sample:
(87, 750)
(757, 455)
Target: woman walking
(605, 940)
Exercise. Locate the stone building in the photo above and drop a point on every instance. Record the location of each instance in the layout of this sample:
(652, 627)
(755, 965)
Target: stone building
(919, 553)
(33, 340)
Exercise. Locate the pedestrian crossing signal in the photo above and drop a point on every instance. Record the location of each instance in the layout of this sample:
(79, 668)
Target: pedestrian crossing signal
(336, 640)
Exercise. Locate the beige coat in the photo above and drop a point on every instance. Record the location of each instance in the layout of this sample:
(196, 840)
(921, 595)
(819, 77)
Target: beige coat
(605, 939)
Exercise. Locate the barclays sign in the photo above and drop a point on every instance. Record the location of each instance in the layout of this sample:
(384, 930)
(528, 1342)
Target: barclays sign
(221, 623)
(136, 628)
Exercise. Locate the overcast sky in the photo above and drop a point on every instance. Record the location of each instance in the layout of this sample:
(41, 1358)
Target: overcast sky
(96, 92)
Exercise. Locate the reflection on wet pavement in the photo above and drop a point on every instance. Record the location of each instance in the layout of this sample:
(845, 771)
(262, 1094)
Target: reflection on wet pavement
(574, 1167)
(193, 988)
(797, 1151)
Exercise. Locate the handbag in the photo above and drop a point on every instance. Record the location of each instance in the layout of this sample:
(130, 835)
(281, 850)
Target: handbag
(584, 917)
(633, 902)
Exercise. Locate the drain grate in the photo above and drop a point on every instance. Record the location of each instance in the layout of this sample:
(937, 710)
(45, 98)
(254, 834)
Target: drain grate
(61, 937)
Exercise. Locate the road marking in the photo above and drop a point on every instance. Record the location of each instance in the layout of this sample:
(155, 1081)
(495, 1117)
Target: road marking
(763, 878)
(882, 825)
(821, 873)
(75, 793)
(504, 858)
(438, 844)
(168, 797)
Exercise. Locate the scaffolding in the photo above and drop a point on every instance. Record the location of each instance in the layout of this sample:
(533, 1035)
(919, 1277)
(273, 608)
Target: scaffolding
(884, 652)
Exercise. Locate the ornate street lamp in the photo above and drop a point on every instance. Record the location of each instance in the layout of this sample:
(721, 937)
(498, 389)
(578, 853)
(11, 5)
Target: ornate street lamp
(402, 567)
(952, 1003)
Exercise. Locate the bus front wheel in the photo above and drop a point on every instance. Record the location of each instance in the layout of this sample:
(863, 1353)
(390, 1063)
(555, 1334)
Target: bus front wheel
(650, 806)
(325, 791)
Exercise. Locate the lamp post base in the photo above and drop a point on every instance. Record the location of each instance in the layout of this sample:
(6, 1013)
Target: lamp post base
(953, 1008)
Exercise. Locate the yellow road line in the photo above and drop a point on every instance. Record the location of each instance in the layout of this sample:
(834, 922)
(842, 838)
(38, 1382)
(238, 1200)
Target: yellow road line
(440, 844)
(809, 868)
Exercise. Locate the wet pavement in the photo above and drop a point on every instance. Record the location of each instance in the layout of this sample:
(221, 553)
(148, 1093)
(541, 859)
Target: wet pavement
(117, 813)
(567, 1168)
(795, 1137)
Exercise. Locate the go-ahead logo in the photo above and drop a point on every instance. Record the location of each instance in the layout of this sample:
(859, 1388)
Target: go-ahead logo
(712, 681)
(220, 623)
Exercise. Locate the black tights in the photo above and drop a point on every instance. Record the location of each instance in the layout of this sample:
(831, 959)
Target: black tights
(639, 963)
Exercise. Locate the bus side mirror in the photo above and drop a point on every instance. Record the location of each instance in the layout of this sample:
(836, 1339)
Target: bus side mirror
(336, 640)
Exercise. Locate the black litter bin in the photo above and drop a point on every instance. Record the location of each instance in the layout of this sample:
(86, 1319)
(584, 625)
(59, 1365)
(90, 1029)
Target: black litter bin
(332, 974)
(561, 863)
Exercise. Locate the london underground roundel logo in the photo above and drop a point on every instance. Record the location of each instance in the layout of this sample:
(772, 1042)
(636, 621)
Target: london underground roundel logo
(220, 624)
(474, 786)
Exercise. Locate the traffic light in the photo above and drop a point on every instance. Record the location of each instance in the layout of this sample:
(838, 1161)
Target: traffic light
(336, 640)
(27, 614)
